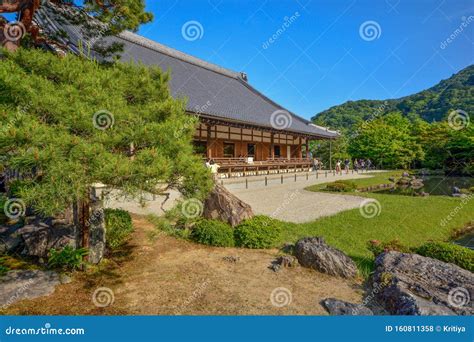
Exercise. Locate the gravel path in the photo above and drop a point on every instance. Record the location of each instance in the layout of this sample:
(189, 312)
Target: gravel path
(290, 202)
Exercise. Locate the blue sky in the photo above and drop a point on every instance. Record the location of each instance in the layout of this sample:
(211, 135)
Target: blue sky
(323, 58)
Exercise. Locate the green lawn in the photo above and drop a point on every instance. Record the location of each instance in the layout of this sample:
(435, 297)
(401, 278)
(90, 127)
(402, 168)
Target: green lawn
(412, 220)
(377, 178)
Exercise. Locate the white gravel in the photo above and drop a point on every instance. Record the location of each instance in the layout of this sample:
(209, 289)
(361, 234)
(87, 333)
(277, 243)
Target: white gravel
(290, 202)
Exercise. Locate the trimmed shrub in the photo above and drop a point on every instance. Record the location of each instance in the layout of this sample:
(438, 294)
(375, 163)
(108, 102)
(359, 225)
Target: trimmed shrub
(258, 232)
(118, 225)
(213, 233)
(67, 258)
(341, 186)
(448, 252)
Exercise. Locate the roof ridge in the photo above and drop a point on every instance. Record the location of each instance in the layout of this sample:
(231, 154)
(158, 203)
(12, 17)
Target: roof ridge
(151, 44)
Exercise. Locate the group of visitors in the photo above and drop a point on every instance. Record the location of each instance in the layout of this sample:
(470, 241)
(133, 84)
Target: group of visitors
(358, 164)
(316, 164)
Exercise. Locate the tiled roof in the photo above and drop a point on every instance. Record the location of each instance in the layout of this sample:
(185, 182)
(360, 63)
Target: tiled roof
(211, 90)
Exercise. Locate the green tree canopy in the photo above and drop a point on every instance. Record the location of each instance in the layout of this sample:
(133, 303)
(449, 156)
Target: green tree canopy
(69, 123)
(388, 141)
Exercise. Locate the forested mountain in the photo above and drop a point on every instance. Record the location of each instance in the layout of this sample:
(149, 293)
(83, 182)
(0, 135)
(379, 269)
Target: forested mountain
(410, 132)
(433, 104)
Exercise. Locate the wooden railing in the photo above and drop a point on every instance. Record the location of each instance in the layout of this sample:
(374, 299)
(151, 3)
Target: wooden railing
(239, 167)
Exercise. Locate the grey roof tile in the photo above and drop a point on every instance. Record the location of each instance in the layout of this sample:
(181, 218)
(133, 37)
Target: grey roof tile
(210, 90)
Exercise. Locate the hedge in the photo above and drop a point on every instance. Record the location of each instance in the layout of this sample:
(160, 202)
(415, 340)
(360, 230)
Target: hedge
(258, 232)
(213, 233)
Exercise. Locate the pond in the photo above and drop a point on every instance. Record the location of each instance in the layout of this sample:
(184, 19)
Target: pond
(466, 241)
(434, 185)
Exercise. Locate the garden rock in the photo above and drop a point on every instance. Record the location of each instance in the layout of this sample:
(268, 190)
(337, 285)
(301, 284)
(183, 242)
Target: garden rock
(27, 284)
(340, 307)
(224, 206)
(36, 239)
(283, 261)
(411, 284)
(416, 183)
(286, 261)
(313, 252)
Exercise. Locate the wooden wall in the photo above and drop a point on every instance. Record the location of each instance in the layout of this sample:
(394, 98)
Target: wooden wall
(242, 137)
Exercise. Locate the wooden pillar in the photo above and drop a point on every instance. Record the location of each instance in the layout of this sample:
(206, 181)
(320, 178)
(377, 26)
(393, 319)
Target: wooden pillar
(208, 144)
(272, 146)
(330, 154)
(242, 150)
(300, 152)
(307, 148)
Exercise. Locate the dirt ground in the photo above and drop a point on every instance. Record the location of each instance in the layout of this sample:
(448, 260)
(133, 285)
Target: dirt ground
(162, 275)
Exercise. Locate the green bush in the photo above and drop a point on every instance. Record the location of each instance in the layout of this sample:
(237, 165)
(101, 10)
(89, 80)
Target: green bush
(341, 186)
(118, 225)
(448, 252)
(67, 258)
(258, 232)
(213, 233)
(377, 247)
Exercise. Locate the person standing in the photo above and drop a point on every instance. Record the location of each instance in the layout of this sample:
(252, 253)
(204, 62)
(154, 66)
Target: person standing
(214, 170)
(347, 165)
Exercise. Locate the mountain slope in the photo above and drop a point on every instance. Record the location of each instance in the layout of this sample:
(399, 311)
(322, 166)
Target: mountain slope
(433, 104)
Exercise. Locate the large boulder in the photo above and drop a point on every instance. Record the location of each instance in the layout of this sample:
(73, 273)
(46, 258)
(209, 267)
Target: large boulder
(27, 284)
(410, 284)
(224, 206)
(35, 239)
(315, 253)
(340, 307)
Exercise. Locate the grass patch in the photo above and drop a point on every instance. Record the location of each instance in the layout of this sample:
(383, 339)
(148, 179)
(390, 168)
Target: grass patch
(377, 178)
(410, 220)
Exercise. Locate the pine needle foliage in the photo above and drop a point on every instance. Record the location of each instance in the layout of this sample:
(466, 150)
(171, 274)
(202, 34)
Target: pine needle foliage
(67, 123)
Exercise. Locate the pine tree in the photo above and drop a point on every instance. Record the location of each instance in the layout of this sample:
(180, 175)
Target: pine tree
(114, 16)
(68, 123)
